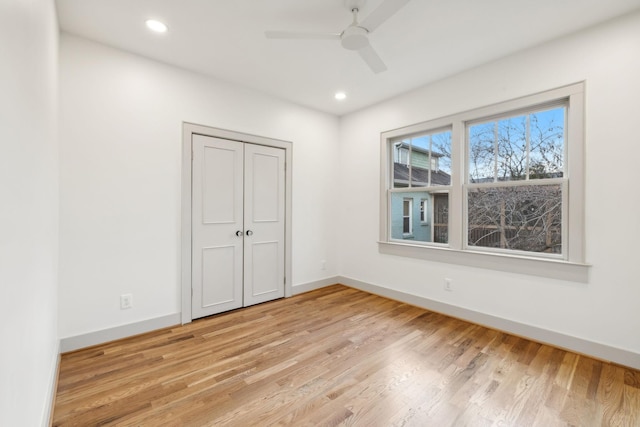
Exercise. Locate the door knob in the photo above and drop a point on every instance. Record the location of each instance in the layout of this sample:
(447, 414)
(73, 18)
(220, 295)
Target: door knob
(249, 232)
(238, 233)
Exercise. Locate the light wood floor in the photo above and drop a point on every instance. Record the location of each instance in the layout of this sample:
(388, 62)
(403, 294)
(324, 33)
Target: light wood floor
(338, 356)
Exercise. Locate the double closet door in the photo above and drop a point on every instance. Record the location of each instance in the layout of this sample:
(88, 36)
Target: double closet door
(238, 224)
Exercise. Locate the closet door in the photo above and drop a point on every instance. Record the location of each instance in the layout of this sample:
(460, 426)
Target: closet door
(217, 225)
(264, 222)
(238, 225)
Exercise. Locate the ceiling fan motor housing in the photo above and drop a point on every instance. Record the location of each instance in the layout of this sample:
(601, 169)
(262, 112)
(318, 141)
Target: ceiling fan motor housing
(354, 38)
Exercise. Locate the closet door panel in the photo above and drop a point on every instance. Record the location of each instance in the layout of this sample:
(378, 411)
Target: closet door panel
(217, 217)
(264, 219)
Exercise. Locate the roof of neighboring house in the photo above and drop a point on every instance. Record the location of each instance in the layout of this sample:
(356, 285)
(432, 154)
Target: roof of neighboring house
(419, 176)
(419, 149)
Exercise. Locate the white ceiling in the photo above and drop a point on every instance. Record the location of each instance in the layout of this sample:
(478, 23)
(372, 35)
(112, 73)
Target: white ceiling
(423, 42)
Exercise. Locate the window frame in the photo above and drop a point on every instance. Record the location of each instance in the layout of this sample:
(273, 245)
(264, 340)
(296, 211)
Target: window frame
(571, 266)
(558, 181)
(424, 211)
(409, 217)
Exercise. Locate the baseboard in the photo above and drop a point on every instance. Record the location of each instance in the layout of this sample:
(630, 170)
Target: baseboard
(578, 345)
(47, 415)
(317, 284)
(111, 334)
(99, 337)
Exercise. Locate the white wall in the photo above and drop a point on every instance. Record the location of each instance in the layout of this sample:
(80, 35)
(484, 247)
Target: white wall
(120, 156)
(29, 210)
(605, 310)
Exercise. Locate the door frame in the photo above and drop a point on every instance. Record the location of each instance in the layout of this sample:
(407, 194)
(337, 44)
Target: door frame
(189, 129)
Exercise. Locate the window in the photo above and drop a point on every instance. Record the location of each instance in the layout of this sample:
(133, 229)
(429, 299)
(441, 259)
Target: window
(500, 181)
(421, 169)
(515, 180)
(407, 223)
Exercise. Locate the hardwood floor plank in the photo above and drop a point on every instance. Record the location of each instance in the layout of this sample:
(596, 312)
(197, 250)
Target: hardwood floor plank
(339, 356)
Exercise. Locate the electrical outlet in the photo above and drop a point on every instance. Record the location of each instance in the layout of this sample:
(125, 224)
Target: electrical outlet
(447, 285)
(126, 301)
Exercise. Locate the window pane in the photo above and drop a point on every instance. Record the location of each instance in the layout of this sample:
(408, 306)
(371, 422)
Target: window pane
(512, 149)
(482, 152)
(547, 144)
(420, 216)
(422, 161)
(401, 169)
(528, 146)
(525, 218)
(441, 159)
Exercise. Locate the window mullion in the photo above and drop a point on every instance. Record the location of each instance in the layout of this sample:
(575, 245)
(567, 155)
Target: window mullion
(456, 198)
(528, 145)
(410, 161)
(429, 160)
(495, 152)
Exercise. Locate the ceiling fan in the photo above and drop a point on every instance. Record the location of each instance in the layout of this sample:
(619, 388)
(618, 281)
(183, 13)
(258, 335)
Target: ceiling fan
(356, 35)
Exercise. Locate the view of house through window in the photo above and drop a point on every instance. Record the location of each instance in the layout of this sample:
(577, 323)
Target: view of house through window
(504, 179)
(420, 187)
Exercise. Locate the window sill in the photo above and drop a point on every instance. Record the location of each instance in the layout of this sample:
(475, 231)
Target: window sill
(550, 268)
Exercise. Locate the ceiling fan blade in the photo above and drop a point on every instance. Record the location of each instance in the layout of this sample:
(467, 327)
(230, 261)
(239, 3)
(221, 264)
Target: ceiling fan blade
(382, 13)
(301, 35)
(372, 59)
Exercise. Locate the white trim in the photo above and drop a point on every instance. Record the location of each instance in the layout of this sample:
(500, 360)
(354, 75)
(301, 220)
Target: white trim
(118, 332)
(50, 400)
(511, 184)
(316, 284)
(189, 129)
(457, 250)
(575, 170)
(185, 231)
(511, 263)
(568, 342)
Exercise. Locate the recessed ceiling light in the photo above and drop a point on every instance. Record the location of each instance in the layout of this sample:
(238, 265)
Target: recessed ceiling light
(156, 26)
(340, 96)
